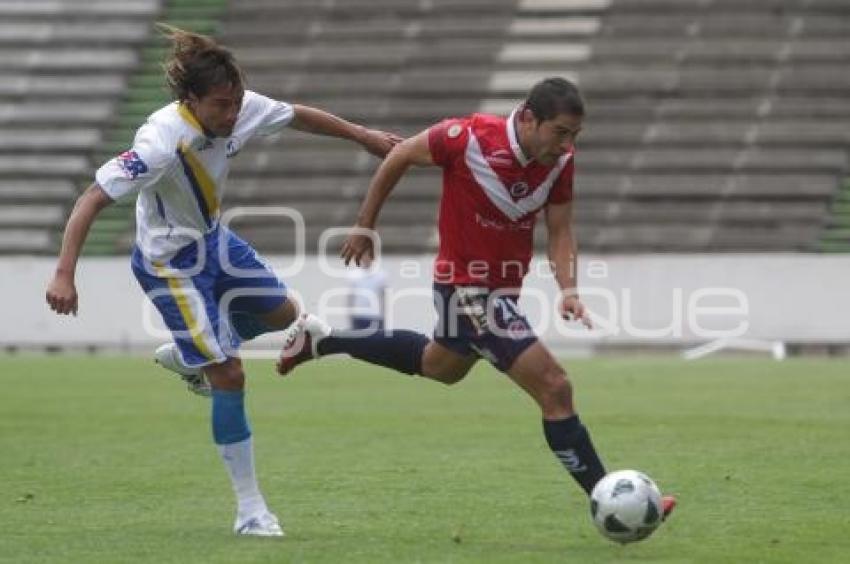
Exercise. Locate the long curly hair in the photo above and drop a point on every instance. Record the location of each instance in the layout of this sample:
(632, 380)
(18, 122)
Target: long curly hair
(197, 63)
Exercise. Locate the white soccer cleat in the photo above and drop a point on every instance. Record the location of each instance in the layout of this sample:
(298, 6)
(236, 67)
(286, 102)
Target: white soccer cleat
(300, 341)
(265, 525)
(168, 356)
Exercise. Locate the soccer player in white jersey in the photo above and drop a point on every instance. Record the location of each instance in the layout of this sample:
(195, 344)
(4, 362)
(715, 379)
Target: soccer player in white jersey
(498, 174)
(211, 287)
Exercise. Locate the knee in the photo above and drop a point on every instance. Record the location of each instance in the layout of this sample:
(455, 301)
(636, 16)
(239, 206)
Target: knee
(228, 376)
(556, 391)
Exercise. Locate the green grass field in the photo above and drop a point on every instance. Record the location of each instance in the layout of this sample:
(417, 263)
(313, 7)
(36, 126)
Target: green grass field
(110, 460)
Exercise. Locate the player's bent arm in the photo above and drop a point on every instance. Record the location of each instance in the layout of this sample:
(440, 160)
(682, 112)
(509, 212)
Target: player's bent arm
(314, 120)
(561, 247)
(414, 151)
(61, 293)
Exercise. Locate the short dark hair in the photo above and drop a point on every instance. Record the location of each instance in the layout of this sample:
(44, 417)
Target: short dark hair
(197, 63)
(553, 96)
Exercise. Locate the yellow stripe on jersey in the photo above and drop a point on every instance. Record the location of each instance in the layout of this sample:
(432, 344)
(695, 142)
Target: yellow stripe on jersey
(190, 118)
(200, 179)
(179, 295)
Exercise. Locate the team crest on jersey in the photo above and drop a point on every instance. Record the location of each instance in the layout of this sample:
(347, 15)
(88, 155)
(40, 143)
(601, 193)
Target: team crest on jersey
(131, 164)
(454, 130)
(233, 148)
(519, 189)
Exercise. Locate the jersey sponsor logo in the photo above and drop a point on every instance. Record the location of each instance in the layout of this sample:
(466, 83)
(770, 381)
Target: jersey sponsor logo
(525, 225)
(131, 164)
(500, 161)
(500, 157)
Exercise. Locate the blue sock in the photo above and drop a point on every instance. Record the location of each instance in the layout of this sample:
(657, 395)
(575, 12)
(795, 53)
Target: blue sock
(399, 350)
(229, 424)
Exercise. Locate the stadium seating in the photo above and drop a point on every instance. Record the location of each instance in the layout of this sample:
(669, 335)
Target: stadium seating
(63, 69)
(713, 125)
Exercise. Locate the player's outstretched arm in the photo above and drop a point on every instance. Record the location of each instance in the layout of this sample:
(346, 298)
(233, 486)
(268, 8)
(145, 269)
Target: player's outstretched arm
(61, 291)
(563, 256)
(314, 120)
(412, 151)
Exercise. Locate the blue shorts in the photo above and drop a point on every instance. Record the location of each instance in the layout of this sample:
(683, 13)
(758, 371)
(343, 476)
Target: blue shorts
(211, 300)
(477, 320)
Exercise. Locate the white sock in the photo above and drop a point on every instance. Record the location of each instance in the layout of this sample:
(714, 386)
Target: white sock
(239, 460)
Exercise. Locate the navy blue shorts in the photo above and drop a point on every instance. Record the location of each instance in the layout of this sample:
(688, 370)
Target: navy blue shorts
(211, 301)
(477, 320)
(367, 325)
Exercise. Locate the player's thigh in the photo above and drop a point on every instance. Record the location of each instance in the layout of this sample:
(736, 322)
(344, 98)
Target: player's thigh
(445, 365)
(537, 372)
(250, 288)
(188, 309)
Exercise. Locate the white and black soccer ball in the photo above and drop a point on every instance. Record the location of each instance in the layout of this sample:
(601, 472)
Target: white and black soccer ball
(626, 506)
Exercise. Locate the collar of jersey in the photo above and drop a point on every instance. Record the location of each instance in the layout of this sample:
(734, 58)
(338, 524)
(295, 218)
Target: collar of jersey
(190, 118)
(514, 141)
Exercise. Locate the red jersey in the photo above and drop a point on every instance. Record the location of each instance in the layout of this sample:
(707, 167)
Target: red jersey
(491, 195)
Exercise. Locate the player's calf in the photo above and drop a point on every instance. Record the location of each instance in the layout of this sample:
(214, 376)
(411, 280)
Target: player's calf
(310, 337)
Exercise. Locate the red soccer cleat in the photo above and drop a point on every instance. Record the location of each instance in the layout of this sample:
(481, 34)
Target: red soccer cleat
(668, 504)
(299, 342)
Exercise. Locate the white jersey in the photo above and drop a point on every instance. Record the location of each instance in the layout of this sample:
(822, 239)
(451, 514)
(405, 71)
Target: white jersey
(179, 173)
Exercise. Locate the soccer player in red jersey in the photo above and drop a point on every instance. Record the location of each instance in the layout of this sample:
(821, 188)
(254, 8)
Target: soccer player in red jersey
(498, 174)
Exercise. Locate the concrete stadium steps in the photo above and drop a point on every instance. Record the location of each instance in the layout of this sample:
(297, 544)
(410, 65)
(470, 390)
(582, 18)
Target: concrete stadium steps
(642, 133)
(712, 124)
(47, 113)
(87, 10)
(68, 139)
(36, 241)
(757, 22)
(13, 191)
(22, 215)
(687, 237)
(275, 161)
(394, 239)
(85, 86)
(708, 186)
(36, 166)
(604, 82)
(65, 33)
(63, 68)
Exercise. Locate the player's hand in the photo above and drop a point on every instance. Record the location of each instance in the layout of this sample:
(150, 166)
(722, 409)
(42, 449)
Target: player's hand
(379, 143)
(573, 310)
(356, 246)
(62, 295)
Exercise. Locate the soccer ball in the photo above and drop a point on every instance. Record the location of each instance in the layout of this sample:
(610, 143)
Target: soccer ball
(626, 506)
